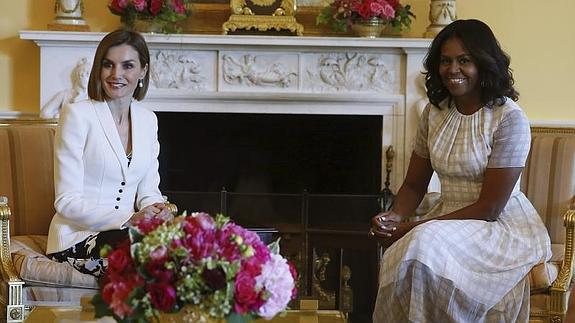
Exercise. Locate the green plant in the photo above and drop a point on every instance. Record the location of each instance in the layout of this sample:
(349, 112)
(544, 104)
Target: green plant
(165, 13)
(341, 14)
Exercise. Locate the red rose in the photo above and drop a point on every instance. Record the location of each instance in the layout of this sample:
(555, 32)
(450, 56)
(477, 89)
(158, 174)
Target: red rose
(119, 260)
(293, 273)
(118, 6)
(246, 296)
(108, 293)
(159, 272)
(163, 296)
(146, 225)
(156, 6)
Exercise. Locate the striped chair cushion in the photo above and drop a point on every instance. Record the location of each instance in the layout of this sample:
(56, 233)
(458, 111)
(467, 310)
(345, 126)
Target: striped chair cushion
(31, 263)
(548, 180)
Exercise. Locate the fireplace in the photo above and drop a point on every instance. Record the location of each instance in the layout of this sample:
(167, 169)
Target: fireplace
(321, 110)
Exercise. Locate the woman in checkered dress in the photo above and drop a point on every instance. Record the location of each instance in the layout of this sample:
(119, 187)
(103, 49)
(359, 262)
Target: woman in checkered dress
(466, 260)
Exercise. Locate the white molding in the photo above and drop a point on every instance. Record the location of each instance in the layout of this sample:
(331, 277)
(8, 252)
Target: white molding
(74, 39)
(17, 115)
(553, 123)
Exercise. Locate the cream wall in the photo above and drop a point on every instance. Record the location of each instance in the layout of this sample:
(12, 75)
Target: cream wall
(542, 53)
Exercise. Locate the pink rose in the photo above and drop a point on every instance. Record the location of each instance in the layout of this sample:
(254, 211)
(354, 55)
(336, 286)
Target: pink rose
(163, 296)
(140, 5)
(159, 254)
(376, 8)
(116, 294)
(199, 220)
(179, 6)
(200, 244)
(388, 12)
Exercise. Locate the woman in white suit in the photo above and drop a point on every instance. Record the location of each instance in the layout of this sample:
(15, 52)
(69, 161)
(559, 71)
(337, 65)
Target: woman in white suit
(106, 157)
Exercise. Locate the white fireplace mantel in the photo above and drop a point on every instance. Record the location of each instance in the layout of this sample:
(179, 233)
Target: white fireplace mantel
(266, 74)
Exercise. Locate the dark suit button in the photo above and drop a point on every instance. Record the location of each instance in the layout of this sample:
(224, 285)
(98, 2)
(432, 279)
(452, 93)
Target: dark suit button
(116, 207)
(117, 199)
(120, 190)
(123, 183)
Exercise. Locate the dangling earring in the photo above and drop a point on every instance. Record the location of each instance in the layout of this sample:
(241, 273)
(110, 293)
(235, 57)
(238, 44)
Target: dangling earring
(140, 83)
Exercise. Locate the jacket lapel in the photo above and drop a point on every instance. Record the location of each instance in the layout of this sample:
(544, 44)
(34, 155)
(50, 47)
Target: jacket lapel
(107, 122)
(137, 139)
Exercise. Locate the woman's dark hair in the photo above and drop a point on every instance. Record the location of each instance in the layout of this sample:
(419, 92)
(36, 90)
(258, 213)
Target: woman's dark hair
(495, 76)
(117, 38)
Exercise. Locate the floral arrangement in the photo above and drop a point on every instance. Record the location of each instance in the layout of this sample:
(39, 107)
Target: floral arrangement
(341, 14)
(197, 264)
(166, 13)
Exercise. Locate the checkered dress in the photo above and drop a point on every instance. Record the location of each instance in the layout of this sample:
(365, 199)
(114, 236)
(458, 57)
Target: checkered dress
(466, 270)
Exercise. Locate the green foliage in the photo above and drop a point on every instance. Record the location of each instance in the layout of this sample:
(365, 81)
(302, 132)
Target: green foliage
(326, 17)
(403, 19)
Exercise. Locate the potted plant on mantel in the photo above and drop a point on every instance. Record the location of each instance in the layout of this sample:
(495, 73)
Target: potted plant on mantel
(151, 15)
(367, 18)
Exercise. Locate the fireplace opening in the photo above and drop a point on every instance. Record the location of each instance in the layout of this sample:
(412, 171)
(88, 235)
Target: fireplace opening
(270, 153)
(264, 169)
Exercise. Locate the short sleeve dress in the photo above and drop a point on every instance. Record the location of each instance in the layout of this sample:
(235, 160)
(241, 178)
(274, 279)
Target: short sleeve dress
(466, 270)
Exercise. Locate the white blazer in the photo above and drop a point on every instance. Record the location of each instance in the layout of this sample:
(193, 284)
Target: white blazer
(95, 190)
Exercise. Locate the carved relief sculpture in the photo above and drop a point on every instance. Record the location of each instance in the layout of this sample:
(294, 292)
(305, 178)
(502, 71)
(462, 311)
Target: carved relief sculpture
(79, 78)
(263, 15)
(247, 71)
(350, 72)
(173, 70)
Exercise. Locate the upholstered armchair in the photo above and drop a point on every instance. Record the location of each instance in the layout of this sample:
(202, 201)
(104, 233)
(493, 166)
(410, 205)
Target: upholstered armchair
(549, 182)
(29, 278)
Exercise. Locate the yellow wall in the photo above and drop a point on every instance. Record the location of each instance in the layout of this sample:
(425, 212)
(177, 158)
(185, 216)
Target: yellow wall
(538, 35)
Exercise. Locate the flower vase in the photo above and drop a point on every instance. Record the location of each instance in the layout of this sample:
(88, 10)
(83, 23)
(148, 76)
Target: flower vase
(146, 24)
(389, 31)
(370, 28)
(188, 314)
